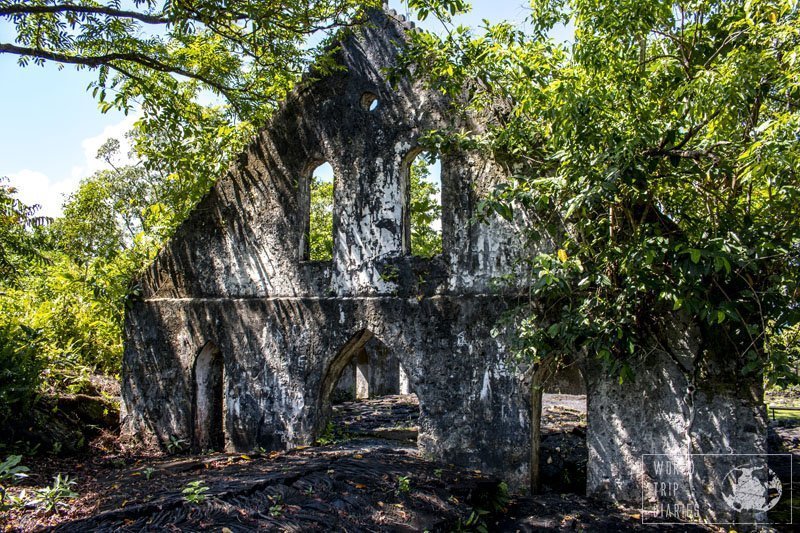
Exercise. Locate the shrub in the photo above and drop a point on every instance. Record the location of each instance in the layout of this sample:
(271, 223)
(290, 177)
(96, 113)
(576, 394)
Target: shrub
(20, 369)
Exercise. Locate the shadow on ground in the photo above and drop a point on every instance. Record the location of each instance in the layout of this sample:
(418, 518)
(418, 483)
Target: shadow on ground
(356, 483)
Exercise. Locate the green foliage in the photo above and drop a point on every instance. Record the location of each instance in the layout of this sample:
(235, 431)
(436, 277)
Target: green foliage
(56, 496)
(195, 492)
(389, 273)
(403, 484)
(64, 299)
(18, 244)
(425, 209)
(20, 369)
(277, 508)
(783, 368)
(475, 522)
(78, 311)
(246, 52)
(69, 281)
(10, 470)
(177, 445)
(320, 233)
(202, 77)
(441, 9)
(148, 472)
(332, 435)
(181, 163)
(328, 436)
(499, 500)
(659, 151)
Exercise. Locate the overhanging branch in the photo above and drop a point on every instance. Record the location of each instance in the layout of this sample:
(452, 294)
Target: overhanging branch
(110, 59)
(25, 9)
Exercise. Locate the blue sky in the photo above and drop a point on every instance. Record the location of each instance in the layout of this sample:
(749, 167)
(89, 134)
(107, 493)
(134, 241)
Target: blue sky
(50, 126)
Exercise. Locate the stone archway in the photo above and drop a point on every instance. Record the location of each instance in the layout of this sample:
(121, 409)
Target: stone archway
(373, 371)
(372, 396)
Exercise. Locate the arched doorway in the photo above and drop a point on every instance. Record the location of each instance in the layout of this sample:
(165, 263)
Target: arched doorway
(209, 402)
(368, 394)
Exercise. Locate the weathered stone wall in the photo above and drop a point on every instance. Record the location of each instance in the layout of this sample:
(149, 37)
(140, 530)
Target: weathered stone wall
(235, 275)
(688, 396)
(284, 356)
(568, 379)
(247, 237)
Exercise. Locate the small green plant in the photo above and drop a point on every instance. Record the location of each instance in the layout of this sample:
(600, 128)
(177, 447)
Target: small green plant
(11, 501)
(475, 522)
(328, 435)
(55, 496)
(26, 448)
(20, 361)
(195, 492)
(276, 510)
(148, 472)
(500, 499)
(332, 435)
(176, 444)
(10, 470)
(390, 274)
(438, 473)
(403, 484)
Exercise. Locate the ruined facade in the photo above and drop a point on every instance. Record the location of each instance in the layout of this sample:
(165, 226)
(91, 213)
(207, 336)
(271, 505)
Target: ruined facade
(238, 341)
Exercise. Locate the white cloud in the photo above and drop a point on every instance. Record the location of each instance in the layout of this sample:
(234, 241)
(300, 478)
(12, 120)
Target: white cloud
(36, 188)
(90, 146)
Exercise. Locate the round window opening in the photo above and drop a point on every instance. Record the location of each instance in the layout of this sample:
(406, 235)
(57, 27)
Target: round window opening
(369, 102)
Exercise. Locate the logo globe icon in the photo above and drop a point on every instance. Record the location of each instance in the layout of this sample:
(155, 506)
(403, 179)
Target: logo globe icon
(751, 488)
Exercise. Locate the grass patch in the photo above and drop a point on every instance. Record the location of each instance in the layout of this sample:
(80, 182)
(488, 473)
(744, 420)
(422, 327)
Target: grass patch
(780, 413)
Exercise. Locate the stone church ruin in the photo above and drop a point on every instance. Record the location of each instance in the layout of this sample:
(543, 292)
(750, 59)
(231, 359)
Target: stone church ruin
(239, 341)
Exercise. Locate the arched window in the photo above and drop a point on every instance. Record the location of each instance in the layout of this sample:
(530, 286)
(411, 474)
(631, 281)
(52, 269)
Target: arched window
(423, 214)
(317, 244)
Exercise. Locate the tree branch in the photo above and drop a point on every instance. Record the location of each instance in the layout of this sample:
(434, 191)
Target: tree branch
(24, 9)
(696, 155)
(109, 59)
